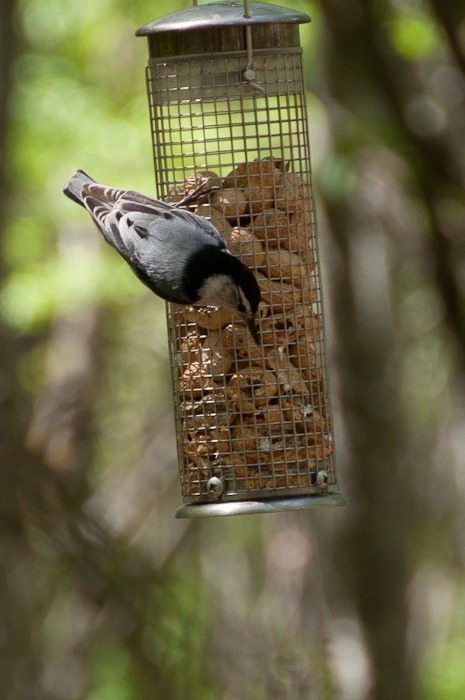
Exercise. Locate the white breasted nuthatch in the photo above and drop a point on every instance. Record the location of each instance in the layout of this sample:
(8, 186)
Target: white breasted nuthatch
(180, 256)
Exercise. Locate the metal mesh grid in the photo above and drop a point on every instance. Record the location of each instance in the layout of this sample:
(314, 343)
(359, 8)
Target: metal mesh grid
(257, 419)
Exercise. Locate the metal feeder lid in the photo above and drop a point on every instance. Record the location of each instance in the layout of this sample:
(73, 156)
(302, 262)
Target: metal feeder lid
(222, 14)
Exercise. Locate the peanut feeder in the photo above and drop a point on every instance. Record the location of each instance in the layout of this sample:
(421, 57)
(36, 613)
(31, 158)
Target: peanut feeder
(230, 141)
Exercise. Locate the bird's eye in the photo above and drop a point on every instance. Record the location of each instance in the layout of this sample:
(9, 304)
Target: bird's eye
(241, 308)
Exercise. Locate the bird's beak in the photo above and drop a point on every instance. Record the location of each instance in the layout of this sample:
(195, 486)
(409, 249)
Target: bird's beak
(252, 326)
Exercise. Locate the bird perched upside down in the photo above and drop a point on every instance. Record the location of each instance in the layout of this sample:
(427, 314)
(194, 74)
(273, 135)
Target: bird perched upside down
(180, 256)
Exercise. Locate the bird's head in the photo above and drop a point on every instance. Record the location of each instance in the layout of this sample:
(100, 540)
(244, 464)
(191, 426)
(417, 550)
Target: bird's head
(228, 283)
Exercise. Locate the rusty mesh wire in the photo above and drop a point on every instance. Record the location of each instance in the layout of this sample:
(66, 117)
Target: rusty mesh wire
(256, 418)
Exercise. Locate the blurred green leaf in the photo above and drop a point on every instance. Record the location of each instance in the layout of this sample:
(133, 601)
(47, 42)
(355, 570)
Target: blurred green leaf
(110, 678)
(442, 674)
(414, 35)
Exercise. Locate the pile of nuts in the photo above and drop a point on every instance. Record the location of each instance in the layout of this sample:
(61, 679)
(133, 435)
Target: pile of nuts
(255, 417)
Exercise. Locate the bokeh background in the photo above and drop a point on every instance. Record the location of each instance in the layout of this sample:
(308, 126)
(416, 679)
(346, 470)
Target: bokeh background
(103, 594)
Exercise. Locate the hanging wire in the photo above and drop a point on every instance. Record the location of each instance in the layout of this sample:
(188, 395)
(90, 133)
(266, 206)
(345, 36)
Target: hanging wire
(249, 73)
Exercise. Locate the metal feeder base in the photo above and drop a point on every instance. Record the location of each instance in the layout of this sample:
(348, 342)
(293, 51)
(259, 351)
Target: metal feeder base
(272, 505)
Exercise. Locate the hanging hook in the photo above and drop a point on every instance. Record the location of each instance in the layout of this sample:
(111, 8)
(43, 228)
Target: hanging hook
(249, 73)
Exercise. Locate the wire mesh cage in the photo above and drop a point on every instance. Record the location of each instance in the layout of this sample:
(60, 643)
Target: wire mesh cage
(230, 137)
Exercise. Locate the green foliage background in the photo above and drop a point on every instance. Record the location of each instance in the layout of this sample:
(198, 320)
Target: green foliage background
(103, 595)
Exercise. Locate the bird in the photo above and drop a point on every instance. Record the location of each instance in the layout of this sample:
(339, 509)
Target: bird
(180, 256)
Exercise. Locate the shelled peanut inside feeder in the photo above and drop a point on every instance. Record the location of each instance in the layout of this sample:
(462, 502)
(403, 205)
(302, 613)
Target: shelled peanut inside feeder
(229, 127)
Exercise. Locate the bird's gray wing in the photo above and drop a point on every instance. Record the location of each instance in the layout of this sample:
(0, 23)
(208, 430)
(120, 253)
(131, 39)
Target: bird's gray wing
(169, 213)
(101, 201)
(158, 240)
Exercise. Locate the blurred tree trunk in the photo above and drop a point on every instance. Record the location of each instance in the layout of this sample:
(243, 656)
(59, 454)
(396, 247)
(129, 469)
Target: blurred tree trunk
(378, 543)
(16, 567)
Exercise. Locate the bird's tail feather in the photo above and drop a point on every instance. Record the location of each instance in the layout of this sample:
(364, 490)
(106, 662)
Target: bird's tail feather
(73, 188)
